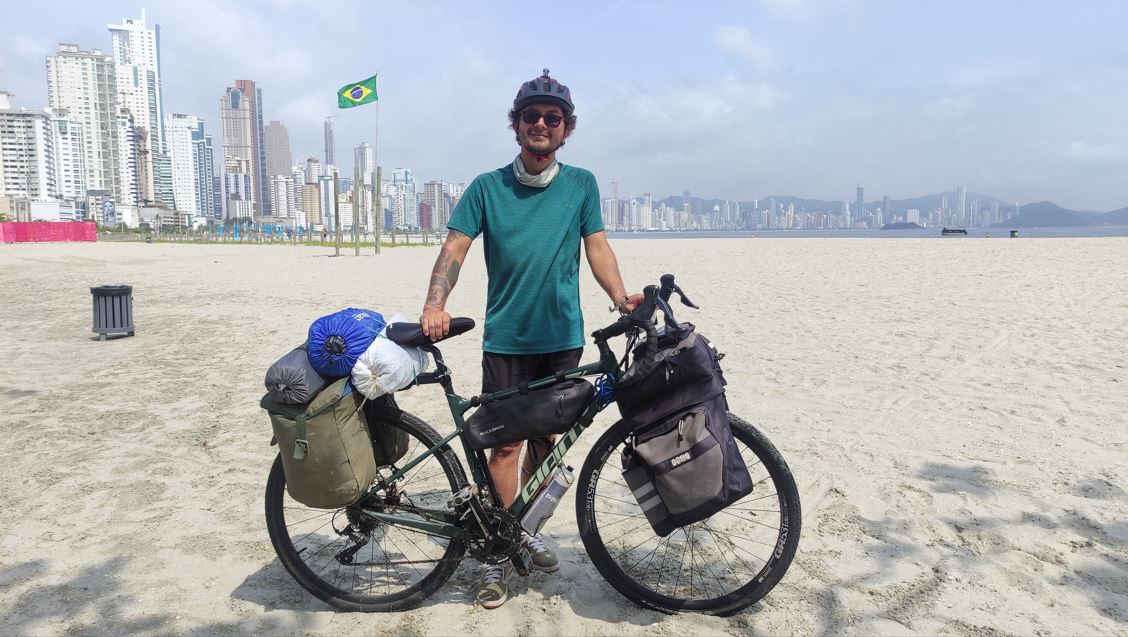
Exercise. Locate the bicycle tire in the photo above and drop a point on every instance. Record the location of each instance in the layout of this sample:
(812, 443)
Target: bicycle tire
(315, 580)
(597, 512)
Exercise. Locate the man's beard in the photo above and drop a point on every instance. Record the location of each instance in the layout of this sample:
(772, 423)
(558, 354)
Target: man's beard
(551, 147)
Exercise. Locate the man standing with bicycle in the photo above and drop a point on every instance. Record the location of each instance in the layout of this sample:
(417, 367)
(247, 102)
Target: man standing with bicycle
(532, 214)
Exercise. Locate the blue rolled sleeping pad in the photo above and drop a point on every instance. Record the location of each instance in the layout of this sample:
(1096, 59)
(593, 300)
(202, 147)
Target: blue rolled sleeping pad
(337, 340)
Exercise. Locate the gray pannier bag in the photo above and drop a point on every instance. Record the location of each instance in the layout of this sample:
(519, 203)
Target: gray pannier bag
(326, 449)
(686, 467)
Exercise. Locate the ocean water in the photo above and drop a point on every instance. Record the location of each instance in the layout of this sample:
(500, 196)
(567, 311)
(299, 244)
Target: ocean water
(927, 233)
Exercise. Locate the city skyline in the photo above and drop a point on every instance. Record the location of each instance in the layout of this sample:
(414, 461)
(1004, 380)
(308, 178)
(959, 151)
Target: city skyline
(1022, 102)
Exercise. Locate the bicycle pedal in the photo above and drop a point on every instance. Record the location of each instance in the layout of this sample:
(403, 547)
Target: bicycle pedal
(523, 562)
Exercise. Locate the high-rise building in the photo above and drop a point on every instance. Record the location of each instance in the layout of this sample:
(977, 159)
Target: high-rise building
(239, 152)
(435, 197)
(137, 70)
(311, 204)
(279, 161)
(885, 212)
(178, 131)
(127, 159)
(203, 154)
(193, 165)
(70, 157)
(27, 153)
(83, 84)
(859, 208)
(325, 189)
(961, 205)
(282, 196)
(254, 95)
(313, 170)
(363, 157)
(330, 158)
(407, 192)
(611, 217)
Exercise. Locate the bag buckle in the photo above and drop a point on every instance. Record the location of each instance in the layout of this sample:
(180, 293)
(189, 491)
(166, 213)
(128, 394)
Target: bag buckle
(301, 447)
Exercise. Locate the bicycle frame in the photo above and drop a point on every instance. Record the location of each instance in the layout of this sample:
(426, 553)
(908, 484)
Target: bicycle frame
(607, 364)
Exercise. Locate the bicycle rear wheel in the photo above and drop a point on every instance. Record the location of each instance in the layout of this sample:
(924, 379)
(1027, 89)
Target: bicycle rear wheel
(355, 562)
(720, 565)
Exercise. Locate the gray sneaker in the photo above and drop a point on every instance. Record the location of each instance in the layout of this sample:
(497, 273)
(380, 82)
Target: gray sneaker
(544, 560)
(494, 588)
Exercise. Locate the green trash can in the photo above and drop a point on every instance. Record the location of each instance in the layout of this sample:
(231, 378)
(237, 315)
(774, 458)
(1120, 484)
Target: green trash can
(113, 310)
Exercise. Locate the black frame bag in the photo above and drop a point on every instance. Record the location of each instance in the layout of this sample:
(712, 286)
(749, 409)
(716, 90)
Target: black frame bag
(528, 415)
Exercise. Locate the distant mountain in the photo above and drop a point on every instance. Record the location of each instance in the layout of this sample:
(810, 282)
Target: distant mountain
(1049, 214)
(1114, 218)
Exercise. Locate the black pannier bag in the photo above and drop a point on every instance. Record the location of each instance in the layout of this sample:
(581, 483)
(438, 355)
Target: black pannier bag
(686, 467)
(685, 372)
(388, 443)
(535, 414)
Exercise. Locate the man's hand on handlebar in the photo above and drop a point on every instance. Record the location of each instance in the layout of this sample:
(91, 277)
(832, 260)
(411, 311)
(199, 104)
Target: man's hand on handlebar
(435, 323)
(633, 301)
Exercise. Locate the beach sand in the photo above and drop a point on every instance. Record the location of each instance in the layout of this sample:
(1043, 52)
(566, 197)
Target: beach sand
(953, 411)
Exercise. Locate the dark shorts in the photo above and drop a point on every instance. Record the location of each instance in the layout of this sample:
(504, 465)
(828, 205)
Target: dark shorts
(502, 371)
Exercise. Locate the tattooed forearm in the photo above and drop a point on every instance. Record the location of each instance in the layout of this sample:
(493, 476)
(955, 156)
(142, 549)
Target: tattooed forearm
(443, 278)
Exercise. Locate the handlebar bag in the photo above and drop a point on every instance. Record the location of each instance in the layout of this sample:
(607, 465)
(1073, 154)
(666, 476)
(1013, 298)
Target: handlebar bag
(548, 410)
(686, 467)
(326, 449)
(686, 371)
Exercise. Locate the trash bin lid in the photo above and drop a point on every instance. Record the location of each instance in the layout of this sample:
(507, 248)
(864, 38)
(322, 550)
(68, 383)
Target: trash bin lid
(112, 290)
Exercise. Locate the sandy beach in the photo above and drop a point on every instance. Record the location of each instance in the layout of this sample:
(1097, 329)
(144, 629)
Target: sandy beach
(953, 411)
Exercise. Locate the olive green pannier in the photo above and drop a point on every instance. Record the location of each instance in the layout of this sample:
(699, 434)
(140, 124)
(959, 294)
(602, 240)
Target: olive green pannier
(327, 452)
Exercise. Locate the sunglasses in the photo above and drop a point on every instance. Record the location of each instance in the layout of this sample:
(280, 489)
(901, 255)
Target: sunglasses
(551, 120)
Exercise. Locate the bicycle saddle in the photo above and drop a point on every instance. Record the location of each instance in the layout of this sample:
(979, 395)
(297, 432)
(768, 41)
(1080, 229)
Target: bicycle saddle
(411, 334)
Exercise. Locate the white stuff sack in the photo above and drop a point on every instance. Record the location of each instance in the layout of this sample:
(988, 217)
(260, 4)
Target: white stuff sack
(386, 367)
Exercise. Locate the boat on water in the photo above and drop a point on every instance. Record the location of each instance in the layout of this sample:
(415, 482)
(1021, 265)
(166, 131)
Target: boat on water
(952, 232)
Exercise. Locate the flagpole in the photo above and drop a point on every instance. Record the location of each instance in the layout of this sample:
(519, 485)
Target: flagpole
(357, 187)
(377, 202)
(336, 217)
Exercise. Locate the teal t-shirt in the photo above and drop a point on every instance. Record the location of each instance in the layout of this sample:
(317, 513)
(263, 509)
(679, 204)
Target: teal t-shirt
(531, 239)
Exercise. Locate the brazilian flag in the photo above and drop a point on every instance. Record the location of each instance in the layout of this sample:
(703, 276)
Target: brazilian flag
(357, 94)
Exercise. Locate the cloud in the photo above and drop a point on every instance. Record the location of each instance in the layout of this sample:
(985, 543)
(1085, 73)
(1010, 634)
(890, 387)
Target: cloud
(755, 53)
(801, 10)
(1084, 152)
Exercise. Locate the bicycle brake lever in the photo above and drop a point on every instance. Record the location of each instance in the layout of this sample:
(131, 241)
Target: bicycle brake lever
(685, 299)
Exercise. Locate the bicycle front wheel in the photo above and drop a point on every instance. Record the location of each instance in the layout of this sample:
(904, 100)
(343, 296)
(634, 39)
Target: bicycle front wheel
(357, 563)
(719, 565)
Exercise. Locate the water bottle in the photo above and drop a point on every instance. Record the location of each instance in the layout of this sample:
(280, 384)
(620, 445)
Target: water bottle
(544, 505)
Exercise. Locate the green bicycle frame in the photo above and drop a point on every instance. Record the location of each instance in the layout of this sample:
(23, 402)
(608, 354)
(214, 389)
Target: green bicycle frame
(607, 364)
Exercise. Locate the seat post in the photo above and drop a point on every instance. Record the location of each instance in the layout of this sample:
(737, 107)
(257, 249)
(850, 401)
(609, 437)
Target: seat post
(442, 372)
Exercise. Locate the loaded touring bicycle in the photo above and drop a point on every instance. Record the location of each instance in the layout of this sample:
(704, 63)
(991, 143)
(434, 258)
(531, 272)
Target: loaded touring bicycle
(715, 543)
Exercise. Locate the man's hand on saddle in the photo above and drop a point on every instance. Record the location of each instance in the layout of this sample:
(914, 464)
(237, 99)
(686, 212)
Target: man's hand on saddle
(435, 323)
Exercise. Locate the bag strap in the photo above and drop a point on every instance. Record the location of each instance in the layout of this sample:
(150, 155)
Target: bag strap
(301, 442)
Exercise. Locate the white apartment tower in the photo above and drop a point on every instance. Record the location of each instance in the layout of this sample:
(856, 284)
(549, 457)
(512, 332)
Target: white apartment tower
(70, 158)
(83, 85)
(27, 152)
(434, 195)
(137, 67)
(185, 181)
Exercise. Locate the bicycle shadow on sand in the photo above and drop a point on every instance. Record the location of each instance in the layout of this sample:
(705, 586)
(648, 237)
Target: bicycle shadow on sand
(902, 578)
(577, 584)
(92, 601)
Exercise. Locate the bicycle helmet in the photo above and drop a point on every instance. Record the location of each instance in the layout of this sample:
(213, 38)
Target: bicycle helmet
(544, 89)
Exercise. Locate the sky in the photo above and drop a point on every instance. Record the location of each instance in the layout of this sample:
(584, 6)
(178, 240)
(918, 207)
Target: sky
(1020, 100)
